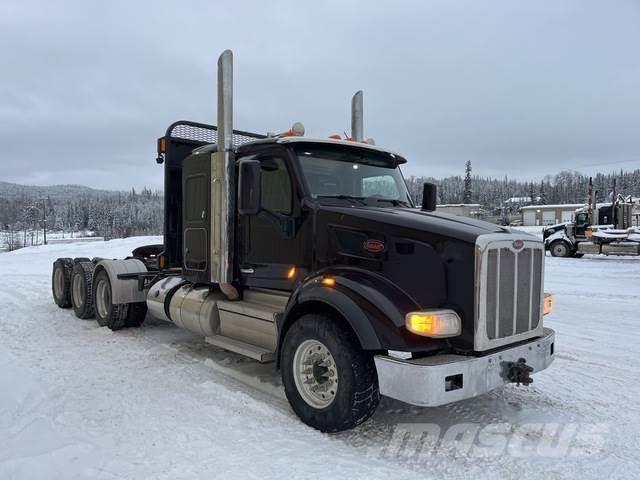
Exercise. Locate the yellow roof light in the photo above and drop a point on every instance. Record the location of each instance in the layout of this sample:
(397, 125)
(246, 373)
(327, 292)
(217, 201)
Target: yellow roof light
(434, 323)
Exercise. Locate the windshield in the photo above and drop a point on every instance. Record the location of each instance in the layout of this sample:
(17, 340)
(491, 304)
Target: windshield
(353, 175)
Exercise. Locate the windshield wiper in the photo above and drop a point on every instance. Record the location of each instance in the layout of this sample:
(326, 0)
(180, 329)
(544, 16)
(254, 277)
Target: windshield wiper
(344, 197)
(394, 202)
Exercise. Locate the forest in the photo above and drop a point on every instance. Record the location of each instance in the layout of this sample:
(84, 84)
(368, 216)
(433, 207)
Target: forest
(493, 193)
(77, 209)
(113, 214)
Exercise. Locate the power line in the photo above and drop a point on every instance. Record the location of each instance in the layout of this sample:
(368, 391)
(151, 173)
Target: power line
(600, 164)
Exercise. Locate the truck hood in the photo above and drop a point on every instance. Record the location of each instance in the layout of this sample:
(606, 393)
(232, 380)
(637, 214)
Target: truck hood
(440, 224)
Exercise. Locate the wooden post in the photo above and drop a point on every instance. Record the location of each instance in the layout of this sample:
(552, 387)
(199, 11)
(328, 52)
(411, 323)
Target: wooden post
(44, 219)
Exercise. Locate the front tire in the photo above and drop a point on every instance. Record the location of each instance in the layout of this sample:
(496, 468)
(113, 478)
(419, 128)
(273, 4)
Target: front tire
(560, 248)
(330, 382)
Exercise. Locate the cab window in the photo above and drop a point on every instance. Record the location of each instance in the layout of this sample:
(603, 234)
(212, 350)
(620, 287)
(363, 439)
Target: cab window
(276, 195)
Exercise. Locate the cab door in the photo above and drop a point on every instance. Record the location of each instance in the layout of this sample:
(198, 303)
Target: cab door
(271, 243)
(196, 172)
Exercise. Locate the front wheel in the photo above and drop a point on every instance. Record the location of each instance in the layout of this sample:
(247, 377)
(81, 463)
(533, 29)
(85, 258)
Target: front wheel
(560, 248)
(330, 382)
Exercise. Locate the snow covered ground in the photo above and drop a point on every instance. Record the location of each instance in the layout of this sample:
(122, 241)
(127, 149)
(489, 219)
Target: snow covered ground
(78, 401)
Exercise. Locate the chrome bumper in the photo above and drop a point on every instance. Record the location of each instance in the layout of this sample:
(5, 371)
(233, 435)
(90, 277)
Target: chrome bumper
(442, 379)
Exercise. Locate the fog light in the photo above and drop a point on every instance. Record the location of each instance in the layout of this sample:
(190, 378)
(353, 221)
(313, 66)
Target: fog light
(548, 303)
(434, 323)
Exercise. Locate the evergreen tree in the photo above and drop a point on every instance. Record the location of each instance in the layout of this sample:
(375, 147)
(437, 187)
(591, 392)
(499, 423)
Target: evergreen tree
(467, 183)
(543, 194)
(532, 193)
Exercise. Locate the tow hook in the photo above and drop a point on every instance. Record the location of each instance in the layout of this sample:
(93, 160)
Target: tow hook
(518, 372)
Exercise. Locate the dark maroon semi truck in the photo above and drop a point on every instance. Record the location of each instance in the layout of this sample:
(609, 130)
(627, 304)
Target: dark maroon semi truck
(309, 253)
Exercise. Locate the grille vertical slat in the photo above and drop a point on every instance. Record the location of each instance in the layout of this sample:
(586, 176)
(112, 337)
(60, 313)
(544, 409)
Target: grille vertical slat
(510, 289)
(523, 296)
(505, 287)
(492, 293)
(536, 300)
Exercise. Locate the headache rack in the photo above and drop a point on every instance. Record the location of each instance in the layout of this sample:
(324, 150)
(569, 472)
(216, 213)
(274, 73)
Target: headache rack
(200, 134)
(178, 142)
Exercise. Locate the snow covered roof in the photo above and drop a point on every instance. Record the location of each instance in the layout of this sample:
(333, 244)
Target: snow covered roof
(517, 200)
(566, 206)
(472, 205)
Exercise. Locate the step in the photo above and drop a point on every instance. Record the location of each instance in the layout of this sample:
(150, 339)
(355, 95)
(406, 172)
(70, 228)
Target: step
(263, 311)
(257, 353)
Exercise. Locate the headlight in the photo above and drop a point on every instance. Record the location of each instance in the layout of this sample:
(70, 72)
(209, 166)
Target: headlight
(434, 323)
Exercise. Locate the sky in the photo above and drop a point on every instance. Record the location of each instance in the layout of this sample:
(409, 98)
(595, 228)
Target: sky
(524, 89)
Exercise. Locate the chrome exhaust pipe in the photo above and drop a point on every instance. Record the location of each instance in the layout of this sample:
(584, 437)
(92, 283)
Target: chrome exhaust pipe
(225, 101)
(223, 183)
(357, 129)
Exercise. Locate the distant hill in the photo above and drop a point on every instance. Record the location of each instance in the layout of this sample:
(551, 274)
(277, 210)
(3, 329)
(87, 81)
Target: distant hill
(72, 208)
(54, 192)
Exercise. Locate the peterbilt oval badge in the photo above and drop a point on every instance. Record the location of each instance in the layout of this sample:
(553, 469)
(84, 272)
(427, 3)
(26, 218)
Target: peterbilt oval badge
(518, 244)
(373, 246)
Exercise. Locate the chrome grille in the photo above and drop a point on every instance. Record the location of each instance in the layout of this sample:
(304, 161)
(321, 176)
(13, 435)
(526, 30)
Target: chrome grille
(509, 286)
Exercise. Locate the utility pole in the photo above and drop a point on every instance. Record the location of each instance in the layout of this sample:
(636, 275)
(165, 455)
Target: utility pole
(44, 219)
(613, 204)
(590, 202)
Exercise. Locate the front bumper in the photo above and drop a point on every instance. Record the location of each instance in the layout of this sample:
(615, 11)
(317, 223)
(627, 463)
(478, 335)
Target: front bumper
(442, 379)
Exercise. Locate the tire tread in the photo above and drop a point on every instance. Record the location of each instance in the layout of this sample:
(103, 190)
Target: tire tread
(362, 398)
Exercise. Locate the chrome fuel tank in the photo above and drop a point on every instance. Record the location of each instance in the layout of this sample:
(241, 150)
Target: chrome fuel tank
(157, 296)
(196, 309)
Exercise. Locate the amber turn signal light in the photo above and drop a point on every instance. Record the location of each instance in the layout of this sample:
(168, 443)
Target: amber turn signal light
(328, 281)
(434, 323)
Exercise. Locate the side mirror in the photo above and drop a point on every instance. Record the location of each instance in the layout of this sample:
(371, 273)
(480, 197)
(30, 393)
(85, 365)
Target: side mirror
(249, 187)
(429, 195)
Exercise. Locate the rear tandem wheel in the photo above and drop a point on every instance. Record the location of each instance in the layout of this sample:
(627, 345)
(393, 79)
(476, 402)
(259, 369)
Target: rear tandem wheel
(61, 282)
(82, 289)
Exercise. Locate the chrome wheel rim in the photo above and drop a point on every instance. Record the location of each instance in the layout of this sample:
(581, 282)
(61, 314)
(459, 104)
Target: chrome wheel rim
(560, 250)
(103, 298)
(78, 291)
(58, 282)
(315, 374)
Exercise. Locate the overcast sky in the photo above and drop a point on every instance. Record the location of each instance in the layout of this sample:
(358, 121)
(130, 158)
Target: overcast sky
(519, 88)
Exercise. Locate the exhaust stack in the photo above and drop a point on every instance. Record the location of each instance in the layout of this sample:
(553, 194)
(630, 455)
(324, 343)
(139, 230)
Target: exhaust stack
(222, 178)
(357, 129)
(225, 101)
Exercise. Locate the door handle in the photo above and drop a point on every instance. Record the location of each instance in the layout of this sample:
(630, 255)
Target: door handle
(247, 270)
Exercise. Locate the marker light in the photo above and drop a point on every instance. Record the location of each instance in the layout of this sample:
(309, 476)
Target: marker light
(291, 273)
(328, 281)
(548, 303)
(434, 323)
